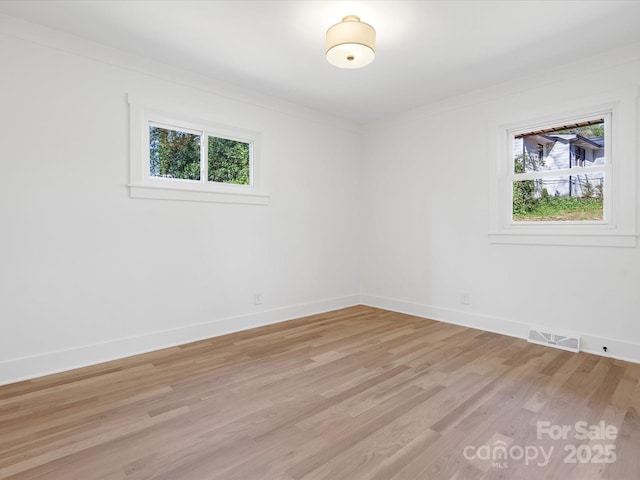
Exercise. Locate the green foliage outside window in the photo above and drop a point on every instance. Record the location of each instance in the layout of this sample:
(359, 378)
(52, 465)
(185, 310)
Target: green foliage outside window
(176, 154)
(532, 203)
(228, 161)
(556, 208)
(524, 192)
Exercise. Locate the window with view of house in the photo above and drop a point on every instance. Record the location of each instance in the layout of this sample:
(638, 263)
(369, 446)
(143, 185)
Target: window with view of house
(559, 173)
(566, 174)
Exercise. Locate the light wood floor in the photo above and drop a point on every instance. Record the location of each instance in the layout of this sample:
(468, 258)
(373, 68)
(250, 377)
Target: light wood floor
(355, 394)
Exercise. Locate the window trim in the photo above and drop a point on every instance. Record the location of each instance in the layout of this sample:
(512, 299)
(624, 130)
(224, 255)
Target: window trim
(618, 228)
(143, 185)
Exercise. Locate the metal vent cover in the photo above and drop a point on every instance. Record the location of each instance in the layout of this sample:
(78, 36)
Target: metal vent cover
(556, 340)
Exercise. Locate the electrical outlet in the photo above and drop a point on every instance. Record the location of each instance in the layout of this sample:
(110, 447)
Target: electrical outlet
(257, 299)
(464, 298)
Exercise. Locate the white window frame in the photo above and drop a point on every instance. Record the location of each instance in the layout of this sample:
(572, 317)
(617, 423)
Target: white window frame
(618, 228)
(144, 185)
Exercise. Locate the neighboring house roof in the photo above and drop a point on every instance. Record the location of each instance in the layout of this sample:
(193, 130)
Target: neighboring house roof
(595, 142)
(598, 140)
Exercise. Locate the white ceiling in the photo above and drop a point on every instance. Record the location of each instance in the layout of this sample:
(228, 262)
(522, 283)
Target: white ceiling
(427, 50)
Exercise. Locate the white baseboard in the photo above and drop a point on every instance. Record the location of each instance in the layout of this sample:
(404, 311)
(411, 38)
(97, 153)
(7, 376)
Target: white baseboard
(618, 349)
(25, 368)
(18, 369)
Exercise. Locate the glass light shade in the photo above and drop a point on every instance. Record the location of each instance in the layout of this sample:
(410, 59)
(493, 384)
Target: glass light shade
(350, 43)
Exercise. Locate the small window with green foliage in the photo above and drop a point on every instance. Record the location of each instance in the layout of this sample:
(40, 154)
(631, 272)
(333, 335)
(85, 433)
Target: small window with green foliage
(181, 151)
(184, 154)
(558, 173)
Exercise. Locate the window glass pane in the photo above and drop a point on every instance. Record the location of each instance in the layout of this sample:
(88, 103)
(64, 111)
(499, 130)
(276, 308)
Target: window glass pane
(174, 154)
(562, 198)
(578, 145)
(229, 161)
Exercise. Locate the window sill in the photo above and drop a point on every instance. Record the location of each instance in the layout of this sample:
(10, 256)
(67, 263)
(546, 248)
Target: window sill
(196, 195)
(566, 239)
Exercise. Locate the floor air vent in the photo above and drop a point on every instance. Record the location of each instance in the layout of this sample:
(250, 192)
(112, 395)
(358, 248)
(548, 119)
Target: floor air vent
(554, 340)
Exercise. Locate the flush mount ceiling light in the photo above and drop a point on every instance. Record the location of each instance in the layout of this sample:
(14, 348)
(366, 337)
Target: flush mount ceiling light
(350, 43)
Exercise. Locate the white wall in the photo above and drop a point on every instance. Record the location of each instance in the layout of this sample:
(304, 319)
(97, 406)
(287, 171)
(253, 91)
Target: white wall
(88, 273)
(426, 221)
